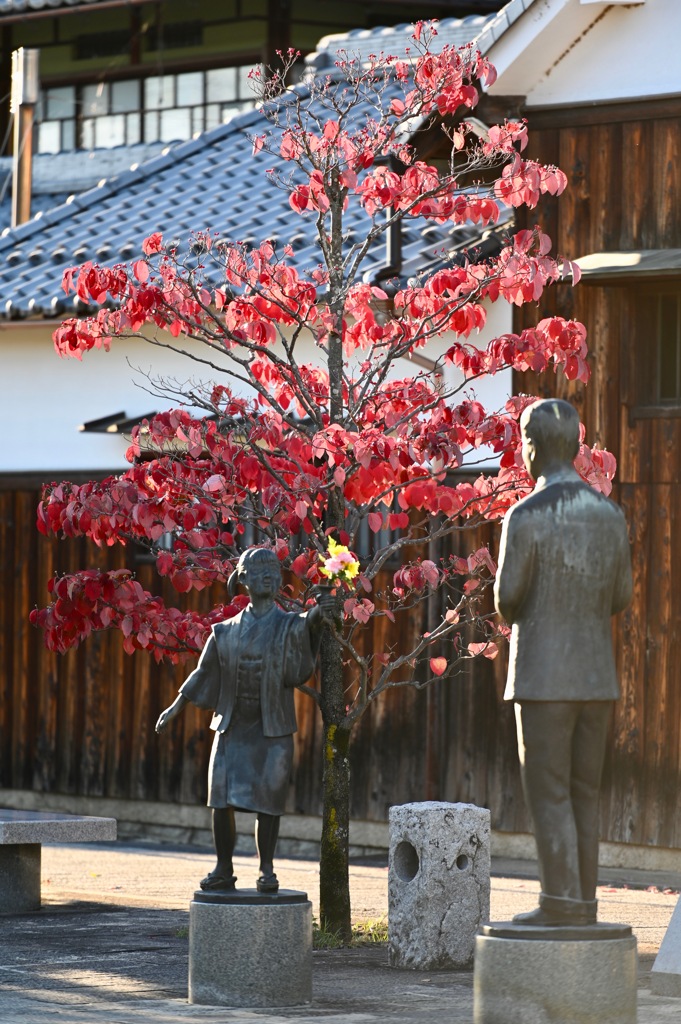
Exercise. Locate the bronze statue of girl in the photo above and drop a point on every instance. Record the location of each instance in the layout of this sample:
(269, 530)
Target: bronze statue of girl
(246, 675)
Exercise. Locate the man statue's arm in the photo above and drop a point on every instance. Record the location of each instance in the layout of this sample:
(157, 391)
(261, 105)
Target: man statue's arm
(513, 571)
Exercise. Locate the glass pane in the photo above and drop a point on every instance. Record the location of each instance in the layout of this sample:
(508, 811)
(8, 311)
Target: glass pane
(190, 89)
(230, 109)
(68, 135)
(175, 124)
(60, 102)
(220, 85)
(95, 99)
(133, 123)
(151, 128)
(669, 348)
(246, 84)
(213, 116)
(159, 93)
(49, 137)
(109, 131)
(125, 96)
(197, 120)
(87, 134)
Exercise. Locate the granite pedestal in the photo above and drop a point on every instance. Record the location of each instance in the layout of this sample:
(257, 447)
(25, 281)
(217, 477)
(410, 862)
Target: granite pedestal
(250, 949)
(21, 836)
(438, 883)
(544, 975)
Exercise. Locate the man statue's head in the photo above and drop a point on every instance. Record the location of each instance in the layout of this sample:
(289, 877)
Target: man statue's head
(550, 432)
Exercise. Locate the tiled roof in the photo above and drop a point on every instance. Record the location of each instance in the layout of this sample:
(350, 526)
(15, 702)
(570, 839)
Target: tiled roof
(57, 175)
(483, 30)
(212, 182)
(14, 7)
(396, 40)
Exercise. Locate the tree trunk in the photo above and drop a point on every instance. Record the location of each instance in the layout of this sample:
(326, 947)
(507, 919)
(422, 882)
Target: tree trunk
(334, 882)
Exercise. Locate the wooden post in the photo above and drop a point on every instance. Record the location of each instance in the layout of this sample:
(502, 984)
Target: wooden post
(24, 99)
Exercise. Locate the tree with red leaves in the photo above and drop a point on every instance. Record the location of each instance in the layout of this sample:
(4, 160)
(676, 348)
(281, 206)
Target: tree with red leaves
(298, 452)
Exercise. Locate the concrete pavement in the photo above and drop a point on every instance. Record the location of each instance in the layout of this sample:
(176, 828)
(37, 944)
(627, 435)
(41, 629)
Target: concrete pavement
(110, 945)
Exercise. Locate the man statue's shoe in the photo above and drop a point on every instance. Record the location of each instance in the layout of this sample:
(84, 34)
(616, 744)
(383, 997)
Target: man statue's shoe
(267, 883)
(554, 911)
(215, 882)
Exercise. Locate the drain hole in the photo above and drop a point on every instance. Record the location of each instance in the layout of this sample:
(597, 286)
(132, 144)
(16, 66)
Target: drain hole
(406, 861)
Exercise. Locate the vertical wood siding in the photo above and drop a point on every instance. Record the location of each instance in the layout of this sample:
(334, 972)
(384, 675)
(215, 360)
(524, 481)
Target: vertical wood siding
(625, 194)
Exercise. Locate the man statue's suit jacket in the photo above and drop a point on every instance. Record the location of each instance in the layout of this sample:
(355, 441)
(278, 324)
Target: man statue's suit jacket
(564, 570)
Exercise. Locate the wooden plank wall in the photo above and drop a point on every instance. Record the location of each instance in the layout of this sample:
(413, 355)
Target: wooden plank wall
(625, 194)
(82, 723)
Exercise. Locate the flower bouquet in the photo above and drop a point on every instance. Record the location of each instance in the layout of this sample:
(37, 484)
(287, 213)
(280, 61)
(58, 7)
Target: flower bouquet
(340, 566)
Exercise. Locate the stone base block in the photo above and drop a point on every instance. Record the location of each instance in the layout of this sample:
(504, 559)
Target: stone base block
(438, 883)
(536, 981)
(250, 950)
(19, 878)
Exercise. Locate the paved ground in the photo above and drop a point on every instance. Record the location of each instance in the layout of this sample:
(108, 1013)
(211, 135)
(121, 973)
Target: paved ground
(110, 945)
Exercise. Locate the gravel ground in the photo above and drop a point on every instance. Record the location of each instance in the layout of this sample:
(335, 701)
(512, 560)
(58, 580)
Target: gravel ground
(110, 944)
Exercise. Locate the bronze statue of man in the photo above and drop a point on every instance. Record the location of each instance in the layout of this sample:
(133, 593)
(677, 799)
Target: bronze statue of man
(564, 570)
(246, 675)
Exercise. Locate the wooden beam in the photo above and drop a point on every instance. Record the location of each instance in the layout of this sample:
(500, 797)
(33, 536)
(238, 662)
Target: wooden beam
(603, 113)
(278, 31)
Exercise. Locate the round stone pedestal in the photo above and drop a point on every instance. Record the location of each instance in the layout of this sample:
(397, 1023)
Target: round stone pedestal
(19, 878)
(555, 974)
(248, 949)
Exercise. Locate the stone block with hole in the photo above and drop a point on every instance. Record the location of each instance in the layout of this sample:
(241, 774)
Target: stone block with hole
(438, 883)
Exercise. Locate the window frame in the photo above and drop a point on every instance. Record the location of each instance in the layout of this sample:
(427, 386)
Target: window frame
(201, 115)
(641, 354)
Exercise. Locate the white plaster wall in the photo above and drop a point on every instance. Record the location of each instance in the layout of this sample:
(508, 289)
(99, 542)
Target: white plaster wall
(45, 398)
(565, 51)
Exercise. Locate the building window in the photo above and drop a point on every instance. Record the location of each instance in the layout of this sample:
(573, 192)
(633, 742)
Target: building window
(162, 108)
(668, 349)
(652, 350)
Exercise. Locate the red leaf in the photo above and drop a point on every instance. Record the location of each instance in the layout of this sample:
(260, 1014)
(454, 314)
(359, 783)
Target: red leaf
(438, 666)
(154, 243)
(141, 271)
(398, 520)
(375, 520)
(299, 564)
(488, 649)
(366, 583)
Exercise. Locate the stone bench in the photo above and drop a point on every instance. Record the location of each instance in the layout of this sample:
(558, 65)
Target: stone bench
(21, 836)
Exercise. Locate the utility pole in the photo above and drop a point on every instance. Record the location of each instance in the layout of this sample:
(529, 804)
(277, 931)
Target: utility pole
(22, 105)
